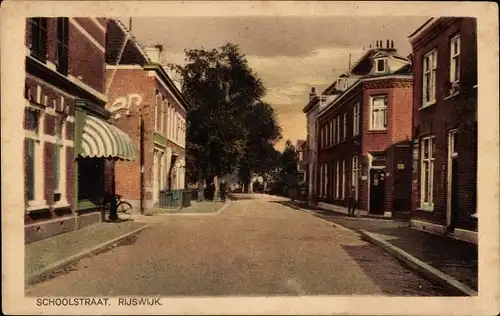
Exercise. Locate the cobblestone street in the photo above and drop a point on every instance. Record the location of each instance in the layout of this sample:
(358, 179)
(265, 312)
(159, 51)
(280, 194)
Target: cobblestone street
(253, 247)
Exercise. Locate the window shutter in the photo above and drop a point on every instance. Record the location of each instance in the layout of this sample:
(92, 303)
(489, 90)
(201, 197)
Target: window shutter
(43, 40)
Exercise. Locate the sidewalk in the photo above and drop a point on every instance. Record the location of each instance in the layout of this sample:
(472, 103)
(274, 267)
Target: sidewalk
(453, 257)
(45, 256)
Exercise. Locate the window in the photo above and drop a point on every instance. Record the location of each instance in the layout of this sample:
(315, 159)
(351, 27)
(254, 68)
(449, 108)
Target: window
(33, 156)
(455, 59)
(355, 174)
(344, 130)
(379, 113)
(62, 45)
(355, 119)
(330, 135)
(338, 129)
(343, 181)
(59, 147)
(453, 143)
(38, 38)
(325, 181)
(334, 135)
(380, 63)
(157, 104)
(337, 179)
(162, 114)
(427, 172)
(429, 84)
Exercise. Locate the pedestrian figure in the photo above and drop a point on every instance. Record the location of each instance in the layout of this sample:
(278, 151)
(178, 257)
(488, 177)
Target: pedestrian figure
(223, 190)
(352, 202)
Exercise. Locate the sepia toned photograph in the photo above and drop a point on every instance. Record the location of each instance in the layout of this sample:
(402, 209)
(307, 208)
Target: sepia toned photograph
(248, 156)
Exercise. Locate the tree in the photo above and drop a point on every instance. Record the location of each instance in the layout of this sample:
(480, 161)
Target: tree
(221, 90)
(289, 173)
(262, 133)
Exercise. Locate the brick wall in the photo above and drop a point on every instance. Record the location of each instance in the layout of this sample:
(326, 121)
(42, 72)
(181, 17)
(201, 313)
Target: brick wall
(448, 113)
(86, 59)
(126, 82)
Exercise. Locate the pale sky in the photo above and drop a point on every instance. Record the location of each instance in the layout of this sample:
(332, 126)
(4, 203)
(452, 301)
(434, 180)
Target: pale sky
(290, 54)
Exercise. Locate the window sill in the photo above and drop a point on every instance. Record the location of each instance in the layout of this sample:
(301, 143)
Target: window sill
(474, 215)
(428, 105)
(61, 204)
(34, 206)
(376, 131)
(426, 208)
(451, 96)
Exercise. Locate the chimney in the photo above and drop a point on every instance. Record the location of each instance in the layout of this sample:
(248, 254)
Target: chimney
(312, 94)
(154, 53)
(392, 44)
(387, 44)
(130, 24)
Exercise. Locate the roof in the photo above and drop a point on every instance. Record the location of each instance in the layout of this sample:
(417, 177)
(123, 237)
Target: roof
(131, 37)
(422, 27)
(311, 104)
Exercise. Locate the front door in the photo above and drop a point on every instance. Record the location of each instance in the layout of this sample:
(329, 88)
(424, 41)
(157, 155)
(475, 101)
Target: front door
(377, 191)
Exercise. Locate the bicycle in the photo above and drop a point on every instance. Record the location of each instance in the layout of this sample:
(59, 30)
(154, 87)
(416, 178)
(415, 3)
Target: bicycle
(123, 208)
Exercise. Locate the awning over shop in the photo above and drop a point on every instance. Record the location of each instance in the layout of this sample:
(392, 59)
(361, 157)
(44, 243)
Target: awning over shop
(103, 140)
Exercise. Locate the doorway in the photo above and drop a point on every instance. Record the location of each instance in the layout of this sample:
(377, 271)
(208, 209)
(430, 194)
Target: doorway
(452, 196)
(377, 191)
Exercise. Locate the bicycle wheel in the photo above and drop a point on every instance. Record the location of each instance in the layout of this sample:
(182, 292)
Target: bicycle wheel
(124, 210)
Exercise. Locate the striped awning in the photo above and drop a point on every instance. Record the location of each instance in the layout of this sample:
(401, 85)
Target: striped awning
(103, 140)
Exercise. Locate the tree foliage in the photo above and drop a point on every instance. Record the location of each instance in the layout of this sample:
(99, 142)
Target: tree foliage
(289, 173)
(229, 126)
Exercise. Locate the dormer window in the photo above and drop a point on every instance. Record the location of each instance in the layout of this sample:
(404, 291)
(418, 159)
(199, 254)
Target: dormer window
(380, 65)
(342, 84)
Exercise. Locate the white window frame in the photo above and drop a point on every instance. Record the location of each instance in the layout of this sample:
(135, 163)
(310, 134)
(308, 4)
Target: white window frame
(59, 145)
(338, 129)
(378, 113)
(429, 59)
(325, 183)
(344, 131)
(427, 198)
(355, 174)
(343, 181)
(383, 60)
(157, 104)
(330, 141)
(355, 119)
(454, 55)
(337, 179)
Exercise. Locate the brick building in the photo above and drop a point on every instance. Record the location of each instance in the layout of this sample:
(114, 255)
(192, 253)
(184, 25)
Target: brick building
(67, 137)
(364, 131)
(445, 127)
(139, 89)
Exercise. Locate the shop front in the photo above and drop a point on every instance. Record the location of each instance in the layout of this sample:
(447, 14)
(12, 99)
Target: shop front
(98, 144)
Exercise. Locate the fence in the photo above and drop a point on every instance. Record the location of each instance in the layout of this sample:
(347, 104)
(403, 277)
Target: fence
(180, 198)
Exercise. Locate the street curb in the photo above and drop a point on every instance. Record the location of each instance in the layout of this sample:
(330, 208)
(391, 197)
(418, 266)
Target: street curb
(419, 266)
(37, 276)
(321, 219)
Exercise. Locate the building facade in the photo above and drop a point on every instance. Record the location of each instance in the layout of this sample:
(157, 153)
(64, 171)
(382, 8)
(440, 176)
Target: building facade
(364, 134)
(67, 136)
(311, 111)
(445, 127)
(147, 104)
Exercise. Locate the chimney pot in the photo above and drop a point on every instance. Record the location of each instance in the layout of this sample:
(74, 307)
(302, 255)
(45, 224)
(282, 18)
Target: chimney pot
(313, 90)
(387, 44)
(392, 44)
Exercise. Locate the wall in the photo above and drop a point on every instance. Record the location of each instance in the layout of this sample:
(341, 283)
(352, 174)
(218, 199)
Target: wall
(132, 92)
(455, 112)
